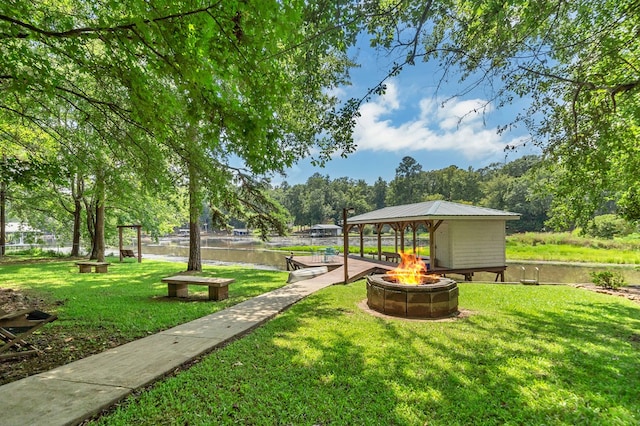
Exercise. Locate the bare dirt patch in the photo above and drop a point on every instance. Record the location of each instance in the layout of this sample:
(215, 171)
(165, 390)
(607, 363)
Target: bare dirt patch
(631, 292)
(12, 300)
(58, 348)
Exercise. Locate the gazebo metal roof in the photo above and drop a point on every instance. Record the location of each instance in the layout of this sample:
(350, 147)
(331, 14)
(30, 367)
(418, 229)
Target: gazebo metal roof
(430, 210)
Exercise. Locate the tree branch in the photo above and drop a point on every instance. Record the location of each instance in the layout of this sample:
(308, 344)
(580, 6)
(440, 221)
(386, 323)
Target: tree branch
(414, 43)
(78, 32)
(613, 90)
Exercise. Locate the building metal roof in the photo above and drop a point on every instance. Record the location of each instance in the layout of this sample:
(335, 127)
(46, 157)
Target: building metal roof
(325, 226)
(16, 227)
(431, 210)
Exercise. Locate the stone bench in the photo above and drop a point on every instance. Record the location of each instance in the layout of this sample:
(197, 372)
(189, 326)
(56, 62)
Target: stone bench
(178, 285)
(86, 267)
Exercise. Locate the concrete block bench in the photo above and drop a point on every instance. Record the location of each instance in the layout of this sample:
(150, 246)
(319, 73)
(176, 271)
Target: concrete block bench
(99, 267)
(178, 285)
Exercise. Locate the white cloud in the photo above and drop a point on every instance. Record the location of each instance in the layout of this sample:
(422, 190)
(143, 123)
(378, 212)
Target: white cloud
(338, 92)
(456, 125)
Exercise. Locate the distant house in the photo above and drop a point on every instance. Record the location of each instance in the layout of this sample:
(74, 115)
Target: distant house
(325, 230)
(18, 232)
(240, 232)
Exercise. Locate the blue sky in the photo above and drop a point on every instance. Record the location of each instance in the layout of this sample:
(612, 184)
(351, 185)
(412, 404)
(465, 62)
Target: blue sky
(411, 120)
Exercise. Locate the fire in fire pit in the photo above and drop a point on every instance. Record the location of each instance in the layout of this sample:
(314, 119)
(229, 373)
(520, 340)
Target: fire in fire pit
(408, 291)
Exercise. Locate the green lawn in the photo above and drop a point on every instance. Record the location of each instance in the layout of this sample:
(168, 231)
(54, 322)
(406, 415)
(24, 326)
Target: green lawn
(96, 311)
(130, 290)
(552, 355)
(571, 253)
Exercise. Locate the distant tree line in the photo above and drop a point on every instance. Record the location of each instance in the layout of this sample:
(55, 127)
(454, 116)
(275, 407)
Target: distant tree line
(517, 186)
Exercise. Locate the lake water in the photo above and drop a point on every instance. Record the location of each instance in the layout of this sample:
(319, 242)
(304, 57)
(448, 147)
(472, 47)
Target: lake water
(250, 251)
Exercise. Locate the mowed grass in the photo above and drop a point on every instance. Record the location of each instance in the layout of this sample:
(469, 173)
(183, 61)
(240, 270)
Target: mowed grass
(129, 301)
(558, 247)
(552, 355)
(571, 253)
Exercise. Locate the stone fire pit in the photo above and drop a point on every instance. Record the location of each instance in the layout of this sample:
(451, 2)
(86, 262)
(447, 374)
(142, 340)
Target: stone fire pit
(436, 298)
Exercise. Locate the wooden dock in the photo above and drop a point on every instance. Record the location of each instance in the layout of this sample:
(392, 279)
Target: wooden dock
(360, 267)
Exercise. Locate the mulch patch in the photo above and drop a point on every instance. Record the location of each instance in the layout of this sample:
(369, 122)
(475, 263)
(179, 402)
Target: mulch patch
(58, 348)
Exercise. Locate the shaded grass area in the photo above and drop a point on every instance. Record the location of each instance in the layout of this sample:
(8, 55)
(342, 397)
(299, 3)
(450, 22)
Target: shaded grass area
(99, 311)
(525, 355)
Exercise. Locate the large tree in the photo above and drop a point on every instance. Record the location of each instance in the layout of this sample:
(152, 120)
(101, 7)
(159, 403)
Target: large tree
(25, 163)
(576, 62)
(407, 185)
(177, 84)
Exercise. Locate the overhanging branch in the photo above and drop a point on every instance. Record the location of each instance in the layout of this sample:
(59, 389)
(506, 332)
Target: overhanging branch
(78, 32)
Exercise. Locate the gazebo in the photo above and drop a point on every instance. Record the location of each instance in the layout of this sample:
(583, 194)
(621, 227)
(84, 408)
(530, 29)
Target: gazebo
(138, 228)
(463, 239)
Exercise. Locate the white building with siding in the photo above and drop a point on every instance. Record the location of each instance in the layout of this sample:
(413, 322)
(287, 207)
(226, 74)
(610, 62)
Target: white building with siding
(322, 230)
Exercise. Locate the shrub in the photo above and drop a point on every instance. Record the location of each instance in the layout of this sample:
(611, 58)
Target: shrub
(37, 252)
(609, 226)
(608, 279)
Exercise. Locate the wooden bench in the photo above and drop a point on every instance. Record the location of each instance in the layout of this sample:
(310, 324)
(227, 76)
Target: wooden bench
(391, 257)
(127, 253)
(291, 265)
(218, 287)
(85, 267)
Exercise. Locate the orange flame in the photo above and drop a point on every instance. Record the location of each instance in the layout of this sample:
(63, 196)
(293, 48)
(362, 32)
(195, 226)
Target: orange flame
(410, 271)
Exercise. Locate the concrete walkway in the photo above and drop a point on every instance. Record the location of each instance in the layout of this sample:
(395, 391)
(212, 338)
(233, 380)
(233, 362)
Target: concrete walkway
(74, 392)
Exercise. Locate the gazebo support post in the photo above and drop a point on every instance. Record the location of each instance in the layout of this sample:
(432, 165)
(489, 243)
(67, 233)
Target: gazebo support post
(345, 231)
(379, 230)
(395, 234)
(120, 242)
(414, 227)
(139, 243)
(432, 242)
(139, 236)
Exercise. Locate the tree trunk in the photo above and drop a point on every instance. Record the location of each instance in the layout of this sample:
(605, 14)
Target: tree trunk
(77, 219)
(3, 217)
(76, 191)
(91, 226)
(99, 219)
(195, 208)
(95, 218)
